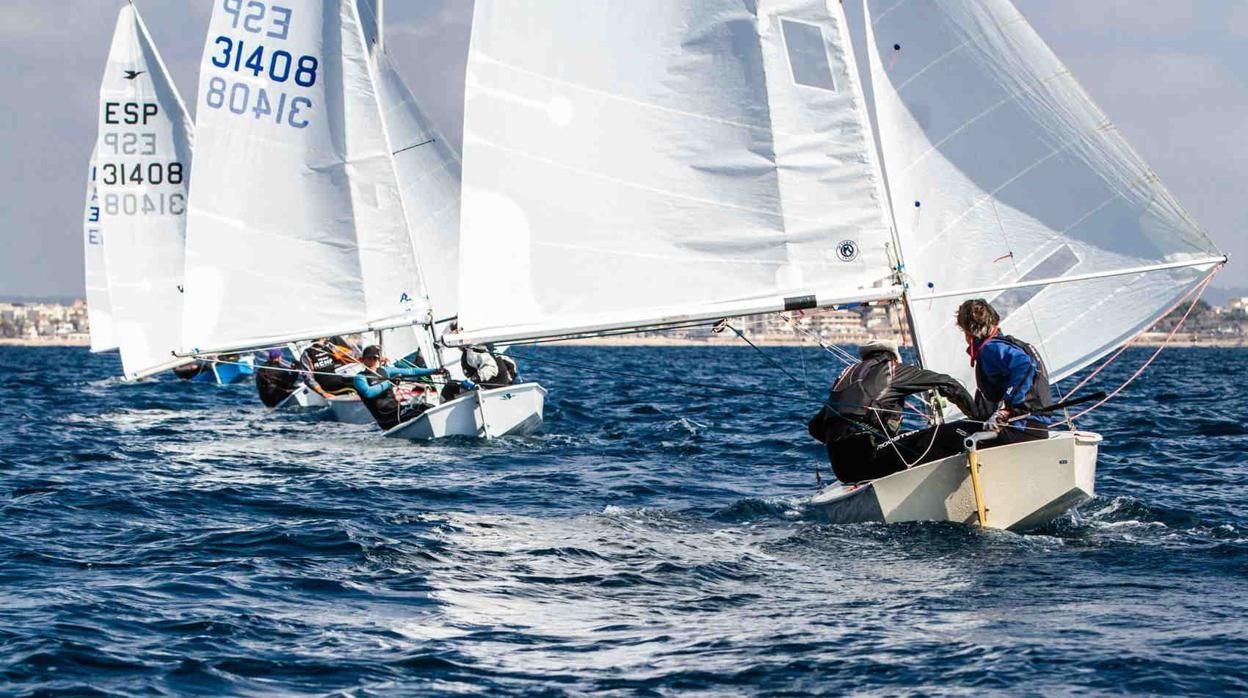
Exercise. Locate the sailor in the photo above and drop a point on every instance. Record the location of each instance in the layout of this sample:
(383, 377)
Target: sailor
(190, 370)
(376, 387)
(860, 422)
(277, 379)
(1011, 379)
(486, 368)
(331, 361)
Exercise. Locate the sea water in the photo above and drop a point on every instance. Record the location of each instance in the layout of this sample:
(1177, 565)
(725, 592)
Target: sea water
(164, 537)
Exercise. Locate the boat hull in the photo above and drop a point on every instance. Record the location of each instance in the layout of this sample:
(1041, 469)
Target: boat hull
(349, 409)
(223, 373)
(303, 398)
(1025, 486)
(515, 410)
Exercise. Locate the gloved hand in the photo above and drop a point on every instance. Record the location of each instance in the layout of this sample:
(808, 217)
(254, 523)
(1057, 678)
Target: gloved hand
(467, 384)
(441, 372)
(998, 421)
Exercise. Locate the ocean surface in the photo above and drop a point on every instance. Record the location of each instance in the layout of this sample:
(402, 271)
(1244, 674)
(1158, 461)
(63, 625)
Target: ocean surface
(172, 538)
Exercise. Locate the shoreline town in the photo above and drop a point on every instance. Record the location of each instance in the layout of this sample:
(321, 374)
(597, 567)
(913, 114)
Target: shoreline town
(51, 324)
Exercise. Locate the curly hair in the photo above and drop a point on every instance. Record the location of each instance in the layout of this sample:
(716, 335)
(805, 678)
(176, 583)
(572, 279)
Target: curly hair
(978, 318)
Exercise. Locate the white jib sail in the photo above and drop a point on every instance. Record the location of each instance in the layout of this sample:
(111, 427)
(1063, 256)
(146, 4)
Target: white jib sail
(628, 162)
(143, 164)
(1005, 175)
(99, 312)
(296, 227)
(428, 172)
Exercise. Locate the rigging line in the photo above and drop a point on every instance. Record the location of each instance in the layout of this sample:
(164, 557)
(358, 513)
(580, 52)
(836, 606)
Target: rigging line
(310, 373)
(766, 358)
(732, 389)
(1128, 343)
(413, 146)
(1151, 359)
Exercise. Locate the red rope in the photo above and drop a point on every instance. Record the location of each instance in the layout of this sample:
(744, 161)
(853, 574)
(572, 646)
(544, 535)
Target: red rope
(1199, 289)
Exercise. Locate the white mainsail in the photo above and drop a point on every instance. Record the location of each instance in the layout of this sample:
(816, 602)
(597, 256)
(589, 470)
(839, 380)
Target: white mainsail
(99, 312)
(296, 228)
(1008, 183)
(143, 164)
(635, 162)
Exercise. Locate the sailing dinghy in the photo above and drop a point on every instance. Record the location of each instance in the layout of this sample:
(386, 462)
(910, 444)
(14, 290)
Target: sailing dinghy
(297, 164)
(693, 160)
(142, 166)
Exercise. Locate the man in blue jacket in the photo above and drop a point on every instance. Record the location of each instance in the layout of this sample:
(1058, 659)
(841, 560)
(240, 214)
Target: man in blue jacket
(375, 385)
(1011, 378)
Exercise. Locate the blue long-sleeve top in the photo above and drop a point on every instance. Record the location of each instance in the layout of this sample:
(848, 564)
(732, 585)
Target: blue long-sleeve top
(1009, 371)
(369, 392)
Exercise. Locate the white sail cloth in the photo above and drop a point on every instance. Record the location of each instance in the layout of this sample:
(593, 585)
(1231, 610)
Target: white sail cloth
(143, 164)
(296, 228)
(99, 311)
(1003, 172)
(630, 161)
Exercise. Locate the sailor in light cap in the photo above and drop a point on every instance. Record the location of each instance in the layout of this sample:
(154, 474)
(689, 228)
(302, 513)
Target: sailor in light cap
(862, 415)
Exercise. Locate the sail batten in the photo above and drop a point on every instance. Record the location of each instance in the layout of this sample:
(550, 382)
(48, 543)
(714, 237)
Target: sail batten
(671, 156)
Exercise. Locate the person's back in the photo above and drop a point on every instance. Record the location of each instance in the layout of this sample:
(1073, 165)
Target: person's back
(864, 413)
(276, 379)
(486, 368)
(331, 365)
(1010, 376)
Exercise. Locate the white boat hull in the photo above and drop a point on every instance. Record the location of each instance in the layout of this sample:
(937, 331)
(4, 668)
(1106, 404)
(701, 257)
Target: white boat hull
(303, 397)
(515, 410)
(1025, 485)
(349, 409)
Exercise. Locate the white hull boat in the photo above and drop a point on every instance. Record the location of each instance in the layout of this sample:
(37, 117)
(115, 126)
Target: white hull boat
(303, 398)
(1024, 486)
(515, 410)
(349, 409)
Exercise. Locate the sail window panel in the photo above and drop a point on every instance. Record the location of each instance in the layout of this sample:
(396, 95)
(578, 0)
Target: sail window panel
(808, 54)
(1054, 266)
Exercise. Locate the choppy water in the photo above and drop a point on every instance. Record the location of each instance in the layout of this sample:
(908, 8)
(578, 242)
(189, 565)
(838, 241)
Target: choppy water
(173, 538)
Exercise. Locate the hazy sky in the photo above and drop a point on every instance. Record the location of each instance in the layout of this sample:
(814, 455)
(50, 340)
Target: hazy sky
(1173, 74)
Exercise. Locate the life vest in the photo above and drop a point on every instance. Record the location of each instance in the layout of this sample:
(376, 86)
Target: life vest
(275, 382)
(858, 397)
(384, 407)
(1039, 396)
(327, 364)
(506, 368)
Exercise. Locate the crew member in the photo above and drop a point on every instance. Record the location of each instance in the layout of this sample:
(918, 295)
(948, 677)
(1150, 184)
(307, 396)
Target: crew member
(1010, 377)
(862, 417)
(487, 368)
(376, 388)
(331, 361)
(277, 379)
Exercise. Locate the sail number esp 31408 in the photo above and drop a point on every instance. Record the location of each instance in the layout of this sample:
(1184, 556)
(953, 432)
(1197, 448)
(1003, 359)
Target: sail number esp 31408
(250, 58)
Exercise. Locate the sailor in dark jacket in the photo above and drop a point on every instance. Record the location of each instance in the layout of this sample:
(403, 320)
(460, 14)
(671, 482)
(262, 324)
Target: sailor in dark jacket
(862, 416)
(1011, 379)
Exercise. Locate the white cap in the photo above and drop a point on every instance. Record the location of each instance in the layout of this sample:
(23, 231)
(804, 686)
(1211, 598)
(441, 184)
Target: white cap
(879, 345)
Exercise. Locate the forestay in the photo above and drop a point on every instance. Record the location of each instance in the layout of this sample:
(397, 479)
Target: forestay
(629, 162)
(297, 227)
(1004, 174)
(143, 156)
(99, 312)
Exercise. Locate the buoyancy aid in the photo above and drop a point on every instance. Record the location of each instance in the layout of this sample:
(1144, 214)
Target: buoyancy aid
(275, 381)
(384, 407)
(506, 367)
(1039, 396)
(327, 363)
(858, 397)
